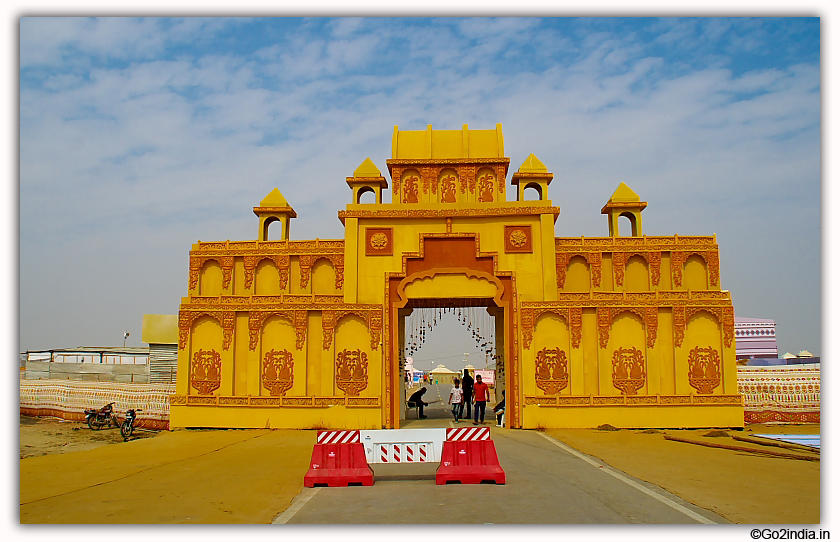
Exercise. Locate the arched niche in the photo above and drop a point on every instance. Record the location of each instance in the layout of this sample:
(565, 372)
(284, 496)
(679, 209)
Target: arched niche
(551, 332)
(578, 275)
(532, 192)
(636, 275)
(695, 274)
(273, 229)
(702, 329)
(627, 225)
(486, 185)
(366, 195)
(626, 332)
(206, 337)
(267, 278)
(411, 186)
(323, 277)
(352, 340)
(278, 334)
(210, 282)
(449, 186)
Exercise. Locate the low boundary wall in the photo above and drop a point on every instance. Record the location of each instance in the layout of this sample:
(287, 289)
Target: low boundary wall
(780, 393)
(68, 399)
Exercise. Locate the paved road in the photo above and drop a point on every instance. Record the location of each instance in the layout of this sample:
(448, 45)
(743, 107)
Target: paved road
(545, 484)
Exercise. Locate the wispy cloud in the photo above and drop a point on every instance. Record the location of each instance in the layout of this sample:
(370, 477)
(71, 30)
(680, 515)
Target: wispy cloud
(139, 136)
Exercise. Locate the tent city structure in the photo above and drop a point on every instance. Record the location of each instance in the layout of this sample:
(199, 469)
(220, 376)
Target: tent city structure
(629, 330)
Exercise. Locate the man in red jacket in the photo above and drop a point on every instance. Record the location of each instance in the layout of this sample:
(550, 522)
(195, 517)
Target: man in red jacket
(480, 396)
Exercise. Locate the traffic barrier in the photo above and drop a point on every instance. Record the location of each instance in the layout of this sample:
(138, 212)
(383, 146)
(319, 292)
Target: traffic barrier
(403, 445)
(469, 462)
(336, 437)
(468, 433)
(338, 465)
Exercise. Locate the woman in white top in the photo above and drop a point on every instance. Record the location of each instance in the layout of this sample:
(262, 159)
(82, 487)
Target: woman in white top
(456, 399)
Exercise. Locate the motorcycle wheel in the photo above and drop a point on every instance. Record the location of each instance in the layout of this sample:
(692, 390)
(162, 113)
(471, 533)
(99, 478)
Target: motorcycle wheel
(92, 423)
(126, 429)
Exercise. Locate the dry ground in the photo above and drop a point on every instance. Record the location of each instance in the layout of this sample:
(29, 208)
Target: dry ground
(257, 472)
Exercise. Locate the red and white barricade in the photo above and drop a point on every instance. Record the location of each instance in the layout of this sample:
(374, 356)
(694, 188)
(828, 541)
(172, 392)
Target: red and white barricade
(468, 433)
(403, 445)
(338, 437)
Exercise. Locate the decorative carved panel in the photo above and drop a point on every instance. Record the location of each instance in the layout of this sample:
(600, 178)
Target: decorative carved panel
(677, 264)
(351, 371)
(206, 371)
(379, 241)
(679, 324)
(655, 263)
(576, 325)
(518, 239)
(300, 328)
(651, 325)
(552, 370)
(486, 187)
(713, 263)
(562, 265)
(704, 369)
(619, 263)
(467, 177)
(628, 370)
(411, 189)
(278, 372)
(448, 189)
(595, 267)
(604, 322)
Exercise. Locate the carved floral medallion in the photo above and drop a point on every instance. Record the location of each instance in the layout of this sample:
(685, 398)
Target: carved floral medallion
(518, 239)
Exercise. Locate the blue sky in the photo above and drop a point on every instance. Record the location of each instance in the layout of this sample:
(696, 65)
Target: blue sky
(140, 136)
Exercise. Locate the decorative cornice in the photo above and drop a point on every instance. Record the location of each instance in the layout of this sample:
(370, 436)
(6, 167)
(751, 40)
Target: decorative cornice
(450, 212)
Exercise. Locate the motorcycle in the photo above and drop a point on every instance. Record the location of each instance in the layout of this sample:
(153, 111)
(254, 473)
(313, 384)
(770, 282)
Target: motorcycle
(127, 427)
(98, 418)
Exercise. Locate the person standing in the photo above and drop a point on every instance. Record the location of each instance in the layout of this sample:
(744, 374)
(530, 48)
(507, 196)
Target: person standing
(480, 393)
(456, 399)
(467, 390)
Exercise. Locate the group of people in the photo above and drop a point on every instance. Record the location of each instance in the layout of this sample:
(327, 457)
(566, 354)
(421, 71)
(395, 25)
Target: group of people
(466, 393)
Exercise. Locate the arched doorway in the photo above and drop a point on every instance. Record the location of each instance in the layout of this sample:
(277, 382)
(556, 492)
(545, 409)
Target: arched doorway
(449, 271)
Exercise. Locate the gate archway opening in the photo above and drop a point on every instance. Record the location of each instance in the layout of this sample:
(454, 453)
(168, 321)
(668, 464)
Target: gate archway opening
(461, 324)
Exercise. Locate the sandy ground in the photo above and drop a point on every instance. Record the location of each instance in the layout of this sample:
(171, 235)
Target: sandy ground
(183, 476)
(66, 469)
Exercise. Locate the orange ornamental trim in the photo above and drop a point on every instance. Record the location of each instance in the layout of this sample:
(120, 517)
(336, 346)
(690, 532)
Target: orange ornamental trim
(275, 210)
(187, 317)
(636, 400)
(451, 212)
(643, 243)
(241, 248)
(275, 402)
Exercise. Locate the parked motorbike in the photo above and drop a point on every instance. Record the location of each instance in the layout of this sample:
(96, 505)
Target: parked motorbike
(97, 418)
(127, 427)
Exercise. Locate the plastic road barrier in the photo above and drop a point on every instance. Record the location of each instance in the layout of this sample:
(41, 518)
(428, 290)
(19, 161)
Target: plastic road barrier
(469, 462)
(403, 445)
(338, 465)
(468, 433)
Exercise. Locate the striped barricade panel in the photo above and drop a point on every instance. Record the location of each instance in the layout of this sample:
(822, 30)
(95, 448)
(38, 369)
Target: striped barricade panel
(403, 452)
(338, 437)
(468, 433)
